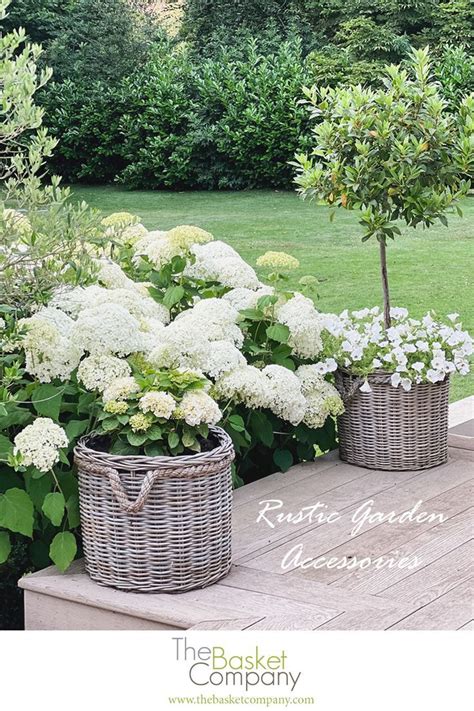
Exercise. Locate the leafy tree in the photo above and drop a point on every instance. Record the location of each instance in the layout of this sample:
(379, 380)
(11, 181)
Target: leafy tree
(41, 19)
(395, 153)
(211, 24)
(100, 40)
(455, 72)
(23, 143)
(39, 231)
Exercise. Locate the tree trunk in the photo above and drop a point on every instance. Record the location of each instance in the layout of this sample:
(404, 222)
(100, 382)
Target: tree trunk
(386, 293)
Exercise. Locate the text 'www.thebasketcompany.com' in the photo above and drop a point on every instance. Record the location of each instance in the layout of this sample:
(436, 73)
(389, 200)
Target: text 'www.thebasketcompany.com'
(265, 701)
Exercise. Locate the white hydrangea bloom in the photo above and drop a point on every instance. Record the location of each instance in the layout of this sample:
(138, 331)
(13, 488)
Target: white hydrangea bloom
(107, 329)
(219, 262)
(48, 353)
(73, 301)
(39, 443)
(185, 236)
(285, 397)
(216, 318)
(223, 358)
(160, 404)
(279, 261)
(112, 276)
(197, 407)
(305, 326)
(157, 247)
(61, 321)
(245, 384)
(150, 329)
(181, 344)
(242, 298)
(119, 219)
(121, 389)
(322, 398)
(97, 372)
(135, 302)
(132, 233)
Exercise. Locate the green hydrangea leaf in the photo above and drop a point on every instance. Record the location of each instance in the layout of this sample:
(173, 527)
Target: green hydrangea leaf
(5, 546)
(173, 295)
(173, 440)
(278, 332)
(63, 549)
(16, 512)
(72, 507)
(53, 507)
(46, 400)
(6, 448)
(283, 459)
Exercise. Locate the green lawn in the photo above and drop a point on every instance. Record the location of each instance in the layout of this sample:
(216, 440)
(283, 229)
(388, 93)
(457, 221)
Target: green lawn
(428, 269)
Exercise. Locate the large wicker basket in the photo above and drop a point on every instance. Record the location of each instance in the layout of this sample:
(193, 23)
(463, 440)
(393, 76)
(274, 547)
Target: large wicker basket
(156, 524)
(390, 428)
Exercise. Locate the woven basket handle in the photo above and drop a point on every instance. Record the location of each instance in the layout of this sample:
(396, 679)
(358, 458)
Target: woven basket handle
(120, 494)
(348, 393)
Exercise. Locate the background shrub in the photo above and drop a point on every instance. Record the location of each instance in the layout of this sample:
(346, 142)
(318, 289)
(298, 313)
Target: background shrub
(214, 104)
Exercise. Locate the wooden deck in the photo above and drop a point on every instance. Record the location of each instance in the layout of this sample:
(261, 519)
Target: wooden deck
(259, 595)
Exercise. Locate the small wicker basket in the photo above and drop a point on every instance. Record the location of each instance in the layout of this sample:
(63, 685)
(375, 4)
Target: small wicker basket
(156, 524)
(390, 428)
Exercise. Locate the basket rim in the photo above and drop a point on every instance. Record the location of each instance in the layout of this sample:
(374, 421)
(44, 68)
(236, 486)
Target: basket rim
(224, 449)
(380, 373)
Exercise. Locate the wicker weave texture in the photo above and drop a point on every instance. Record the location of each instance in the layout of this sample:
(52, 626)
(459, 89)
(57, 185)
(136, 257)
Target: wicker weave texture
(390, 428)
(156, 524)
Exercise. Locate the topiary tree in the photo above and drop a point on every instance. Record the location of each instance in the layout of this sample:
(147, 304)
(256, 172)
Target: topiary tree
(395, 153)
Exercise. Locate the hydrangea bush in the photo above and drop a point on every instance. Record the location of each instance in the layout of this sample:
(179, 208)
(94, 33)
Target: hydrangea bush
(171, 333)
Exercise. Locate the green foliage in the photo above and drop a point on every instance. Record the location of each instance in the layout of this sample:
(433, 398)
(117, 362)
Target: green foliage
(99, 41)
(63, 549)
(209, 24)
(393, 154)
(86, 119)
(455, 72)
(23, 143)
(41, 19)
(128, 103)
(227, 122)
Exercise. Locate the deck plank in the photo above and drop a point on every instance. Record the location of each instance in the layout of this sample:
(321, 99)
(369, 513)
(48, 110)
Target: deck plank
(259, 595)
(320, 540)
(427, 547)
(426, 584)
(347, 496)
(450, 611)
(387, 537)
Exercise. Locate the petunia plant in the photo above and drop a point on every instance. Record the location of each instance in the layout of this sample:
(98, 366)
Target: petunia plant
(396, 154)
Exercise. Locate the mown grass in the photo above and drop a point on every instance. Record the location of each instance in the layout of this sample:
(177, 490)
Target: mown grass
(428, 269)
